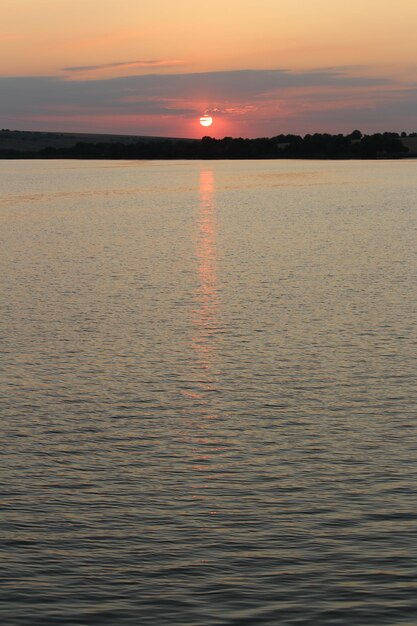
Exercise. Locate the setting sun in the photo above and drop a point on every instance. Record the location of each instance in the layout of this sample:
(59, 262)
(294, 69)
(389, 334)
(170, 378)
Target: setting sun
(206, 120)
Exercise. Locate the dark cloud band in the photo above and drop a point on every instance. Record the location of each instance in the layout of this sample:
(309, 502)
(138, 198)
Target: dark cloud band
(232, 93)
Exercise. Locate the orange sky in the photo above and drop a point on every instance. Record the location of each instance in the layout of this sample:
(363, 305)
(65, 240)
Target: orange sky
(95, 41)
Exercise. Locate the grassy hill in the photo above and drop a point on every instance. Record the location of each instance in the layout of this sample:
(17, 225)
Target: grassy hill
(31, 141)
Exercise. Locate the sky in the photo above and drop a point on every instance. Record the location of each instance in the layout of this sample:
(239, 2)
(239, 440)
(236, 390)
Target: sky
(153, 67)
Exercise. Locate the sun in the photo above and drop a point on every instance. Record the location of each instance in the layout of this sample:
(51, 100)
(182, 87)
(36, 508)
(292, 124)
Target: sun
(206, 120)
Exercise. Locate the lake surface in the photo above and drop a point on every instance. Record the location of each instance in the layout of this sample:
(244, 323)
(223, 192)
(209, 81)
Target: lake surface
(208, 396)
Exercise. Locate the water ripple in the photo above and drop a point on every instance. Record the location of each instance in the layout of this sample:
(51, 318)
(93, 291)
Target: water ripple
(209, 405)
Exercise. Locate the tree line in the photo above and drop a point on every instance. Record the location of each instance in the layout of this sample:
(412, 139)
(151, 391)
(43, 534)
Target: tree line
(312, 146)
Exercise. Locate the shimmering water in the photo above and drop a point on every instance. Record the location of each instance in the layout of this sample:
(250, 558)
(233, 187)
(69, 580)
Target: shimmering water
(208, 395)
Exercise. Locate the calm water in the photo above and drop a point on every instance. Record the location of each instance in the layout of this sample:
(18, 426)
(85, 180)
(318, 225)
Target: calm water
(209, 393)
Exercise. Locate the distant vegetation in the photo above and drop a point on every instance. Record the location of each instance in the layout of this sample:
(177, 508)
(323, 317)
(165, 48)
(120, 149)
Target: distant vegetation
(316, 146)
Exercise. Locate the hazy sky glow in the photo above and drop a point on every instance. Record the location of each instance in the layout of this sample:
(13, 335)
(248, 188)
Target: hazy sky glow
(155, 66)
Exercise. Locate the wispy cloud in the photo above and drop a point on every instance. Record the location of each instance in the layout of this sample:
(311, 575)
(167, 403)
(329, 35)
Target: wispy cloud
(153, 63)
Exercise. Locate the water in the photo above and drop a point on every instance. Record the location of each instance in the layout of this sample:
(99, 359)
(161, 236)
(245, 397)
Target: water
(208, 402)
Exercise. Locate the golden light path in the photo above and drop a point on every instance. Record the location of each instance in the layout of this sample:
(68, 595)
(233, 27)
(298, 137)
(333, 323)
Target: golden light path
(208, 440)
(206, 319)
(206, 325)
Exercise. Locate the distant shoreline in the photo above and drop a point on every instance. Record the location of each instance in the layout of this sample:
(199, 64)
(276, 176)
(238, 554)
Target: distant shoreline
(322, 146)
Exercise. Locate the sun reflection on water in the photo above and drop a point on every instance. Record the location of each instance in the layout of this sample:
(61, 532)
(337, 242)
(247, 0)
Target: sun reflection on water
(206, 313)
(204, 428)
